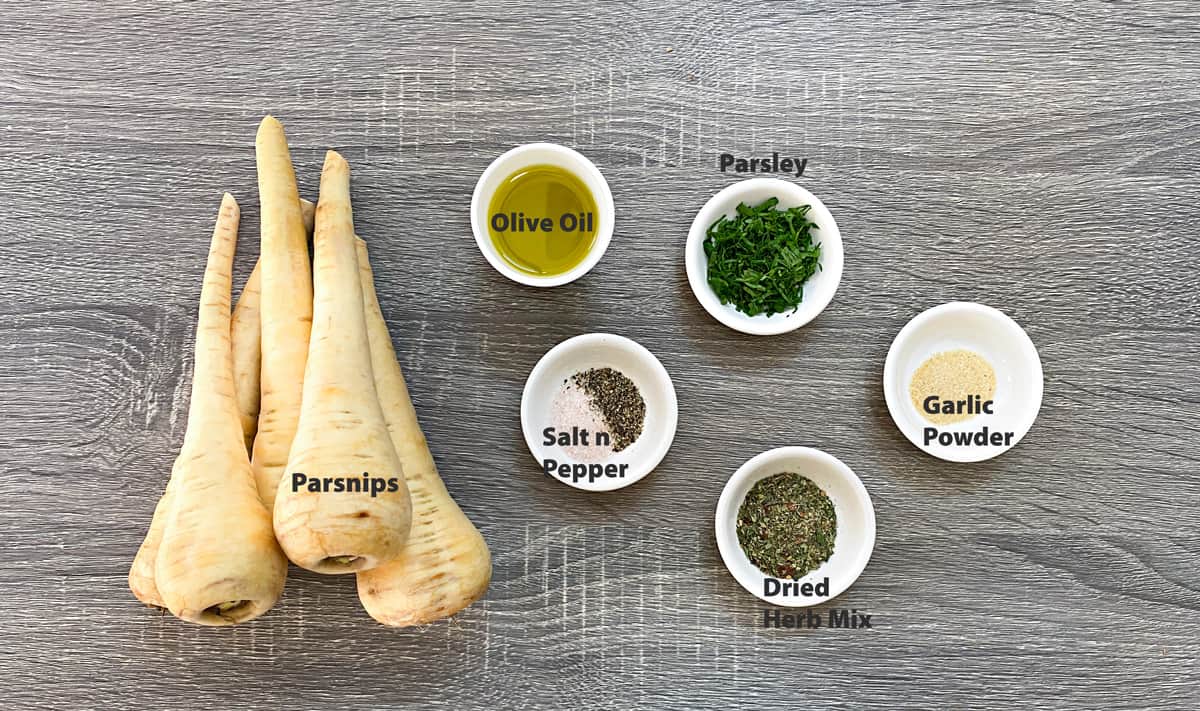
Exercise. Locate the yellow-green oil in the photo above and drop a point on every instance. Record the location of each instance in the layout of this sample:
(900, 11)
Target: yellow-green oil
(542, 220)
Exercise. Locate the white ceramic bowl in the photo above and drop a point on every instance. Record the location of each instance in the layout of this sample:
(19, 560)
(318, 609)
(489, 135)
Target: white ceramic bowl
(541, 154)
(991, 334)
(855, 521)
(599, 350)
(818, 290)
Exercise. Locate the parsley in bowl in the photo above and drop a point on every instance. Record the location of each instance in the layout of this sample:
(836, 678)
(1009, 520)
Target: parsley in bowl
(759, 260)
(764, 256)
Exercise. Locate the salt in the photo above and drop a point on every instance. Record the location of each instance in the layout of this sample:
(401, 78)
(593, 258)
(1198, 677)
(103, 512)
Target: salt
(572, 407)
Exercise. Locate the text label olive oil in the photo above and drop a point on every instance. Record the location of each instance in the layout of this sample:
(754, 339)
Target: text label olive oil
(542, 220)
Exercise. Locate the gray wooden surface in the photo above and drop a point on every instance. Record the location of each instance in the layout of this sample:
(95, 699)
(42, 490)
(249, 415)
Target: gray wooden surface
(1042, 159)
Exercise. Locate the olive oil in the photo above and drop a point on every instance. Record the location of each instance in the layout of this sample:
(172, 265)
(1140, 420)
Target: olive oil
(542, 220)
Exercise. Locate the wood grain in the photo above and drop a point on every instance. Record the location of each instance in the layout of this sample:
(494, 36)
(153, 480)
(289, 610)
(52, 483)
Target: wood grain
(1039, 157)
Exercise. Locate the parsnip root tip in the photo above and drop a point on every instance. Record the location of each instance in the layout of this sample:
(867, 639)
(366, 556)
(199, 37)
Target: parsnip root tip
(269, 123)
(335, 161)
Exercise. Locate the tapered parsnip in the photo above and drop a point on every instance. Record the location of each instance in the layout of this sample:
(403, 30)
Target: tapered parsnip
(286, 306)
(324, 519)
(141, 573)
(247, 341)
(217, 562)
(246, 336)
(446, 565)
(308, 213)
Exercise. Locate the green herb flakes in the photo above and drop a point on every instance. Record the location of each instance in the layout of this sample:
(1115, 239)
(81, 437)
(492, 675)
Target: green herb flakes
(787, 526)
(759, 260)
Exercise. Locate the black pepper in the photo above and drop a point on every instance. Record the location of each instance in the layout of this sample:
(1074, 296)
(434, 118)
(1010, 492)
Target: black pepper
(619, 402)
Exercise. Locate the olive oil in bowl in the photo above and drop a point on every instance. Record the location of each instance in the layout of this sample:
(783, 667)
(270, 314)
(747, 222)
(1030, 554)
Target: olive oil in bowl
(542, 220)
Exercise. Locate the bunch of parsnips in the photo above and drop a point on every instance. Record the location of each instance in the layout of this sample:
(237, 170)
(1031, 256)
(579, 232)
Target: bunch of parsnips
(301, 384)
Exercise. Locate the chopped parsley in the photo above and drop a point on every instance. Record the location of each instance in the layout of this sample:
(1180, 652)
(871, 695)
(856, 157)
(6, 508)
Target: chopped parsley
(759, 260)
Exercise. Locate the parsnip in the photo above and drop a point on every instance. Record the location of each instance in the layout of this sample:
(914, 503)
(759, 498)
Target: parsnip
(286, 307)
(246, 331)
(217, 562)
(246, 337)
(247, 341)
(342, 443)
(308, 213)
(446, 564)
(141, 573)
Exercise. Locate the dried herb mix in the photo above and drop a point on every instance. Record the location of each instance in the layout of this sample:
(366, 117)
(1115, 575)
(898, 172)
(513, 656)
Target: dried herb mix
(759, 260)
(787, 526)
(619, 401)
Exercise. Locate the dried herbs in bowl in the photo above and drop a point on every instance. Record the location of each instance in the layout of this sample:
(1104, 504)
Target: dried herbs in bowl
(787, 526)
(759, 260)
